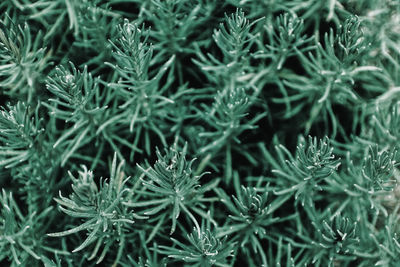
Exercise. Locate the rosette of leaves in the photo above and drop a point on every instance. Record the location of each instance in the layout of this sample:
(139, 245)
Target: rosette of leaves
(104, 216)
(23, 60)
(303, 173)
(172, 187)
(83, 111)
(252, 213)
(334, 241)
(20, 135)
(378, 169)
(228, 120)
(234, 39)
(201, 247)
(339, 236)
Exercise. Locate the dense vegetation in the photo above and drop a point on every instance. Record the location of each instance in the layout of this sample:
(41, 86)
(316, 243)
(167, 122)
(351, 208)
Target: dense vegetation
(199, 132)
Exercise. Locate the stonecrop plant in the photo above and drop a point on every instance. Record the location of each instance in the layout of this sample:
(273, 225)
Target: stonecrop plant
(199, 133)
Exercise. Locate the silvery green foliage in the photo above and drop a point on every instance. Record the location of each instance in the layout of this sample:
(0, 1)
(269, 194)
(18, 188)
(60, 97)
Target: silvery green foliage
(302, 174)
(201, 248)
(105, 215)
(199, 132)
(22, 59)
(172, 187)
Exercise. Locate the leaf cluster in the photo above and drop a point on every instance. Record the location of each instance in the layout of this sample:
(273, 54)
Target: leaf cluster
(205, 133)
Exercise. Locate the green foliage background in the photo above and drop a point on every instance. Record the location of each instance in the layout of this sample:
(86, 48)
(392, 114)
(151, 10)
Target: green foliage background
(199, 132)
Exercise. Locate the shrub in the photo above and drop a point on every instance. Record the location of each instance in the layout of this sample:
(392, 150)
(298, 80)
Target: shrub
(205, 133)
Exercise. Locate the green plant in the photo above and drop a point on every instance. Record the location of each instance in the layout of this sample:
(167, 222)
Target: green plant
(172, 185)
(204, 249)
(207, 133)
(81, 106)
(106, 216)
(19, 242)
(334, 240)
(251, 214)
(303, 173)
(23, 60)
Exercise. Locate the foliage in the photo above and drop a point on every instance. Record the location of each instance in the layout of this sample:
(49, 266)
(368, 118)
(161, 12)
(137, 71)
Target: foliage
(199, 132)
(19, 241)
(205, 249)
(106, 216)
(81, 106)
(304, 172)
(251, 214)
(173, 185)
(23, 60)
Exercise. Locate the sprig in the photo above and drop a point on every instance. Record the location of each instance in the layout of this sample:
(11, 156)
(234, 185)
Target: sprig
(84, 111)
(365, 182)
(332, 71)
(334, 240)
(20, 137)
(20, 243)
(26, 154)
(251, 214)
(143, 99)
(202, 248)
(171, 187)
(303, 173)
(227, 120)
(23, 60)
(285, 38)
(105, 217)
(234, 39)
